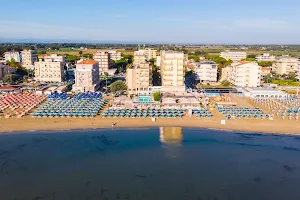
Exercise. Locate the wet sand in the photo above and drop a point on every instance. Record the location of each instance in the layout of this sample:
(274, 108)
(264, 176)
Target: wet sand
(27, 123)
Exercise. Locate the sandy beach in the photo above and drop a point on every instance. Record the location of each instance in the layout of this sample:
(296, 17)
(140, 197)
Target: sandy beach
(27, 123)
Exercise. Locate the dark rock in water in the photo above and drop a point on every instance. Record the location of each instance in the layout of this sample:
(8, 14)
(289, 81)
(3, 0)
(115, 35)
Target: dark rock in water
(288, 168)
(140, 176)
(291, 148)
(21, 146)
(257, 179)
(87, 184)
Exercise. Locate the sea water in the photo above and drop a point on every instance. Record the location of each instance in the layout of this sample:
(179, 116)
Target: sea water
(157, 163)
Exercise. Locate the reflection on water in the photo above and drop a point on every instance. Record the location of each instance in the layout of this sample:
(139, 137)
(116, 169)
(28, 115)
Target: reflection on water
(170, 135)
(171, 138)
(135, 164)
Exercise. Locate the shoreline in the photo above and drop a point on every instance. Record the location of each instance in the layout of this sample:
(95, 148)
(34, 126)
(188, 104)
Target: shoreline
(28, 124)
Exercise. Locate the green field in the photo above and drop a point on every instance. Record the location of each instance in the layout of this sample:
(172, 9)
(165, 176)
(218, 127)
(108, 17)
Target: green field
(63, 50)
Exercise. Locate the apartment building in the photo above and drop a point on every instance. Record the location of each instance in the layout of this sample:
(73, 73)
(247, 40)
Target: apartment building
(3, 70)
(234, 56)
(158, 61)
(102, 57)
(298, 70)
(265, 57)
(86, 76)
(264, 71)
(172, 72)
(46, 71)
(244, 74)
(139, 57)
(13, 55)
(285, 65)
(55, 58)
(139, 79)
(206, 72)
(149, 53)
(29, 57)
(114, 55)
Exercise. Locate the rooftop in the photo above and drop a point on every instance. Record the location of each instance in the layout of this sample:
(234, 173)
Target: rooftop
(88, 62)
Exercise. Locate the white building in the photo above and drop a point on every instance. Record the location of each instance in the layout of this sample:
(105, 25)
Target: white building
(49, 71)
(265, 57)
(55, 58)
(29, 57)
(13, 55)
(206, 72)
(114, 55)
(264, 93)
(86, 76)
(298, 70)
(102, 57)
(285, 65)
(172, 71)
(244, 74)
(234, 56)
(158, 61)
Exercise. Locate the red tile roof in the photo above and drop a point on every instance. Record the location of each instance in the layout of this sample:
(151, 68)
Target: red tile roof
(88, 62)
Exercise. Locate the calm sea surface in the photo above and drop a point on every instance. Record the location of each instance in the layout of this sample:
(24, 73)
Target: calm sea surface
(149, 164)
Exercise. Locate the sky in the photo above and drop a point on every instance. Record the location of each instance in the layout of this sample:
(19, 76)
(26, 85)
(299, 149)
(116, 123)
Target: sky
(154, 21)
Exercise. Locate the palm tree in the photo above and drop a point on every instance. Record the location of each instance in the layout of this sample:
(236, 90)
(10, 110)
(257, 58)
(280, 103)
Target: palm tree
(105, 78)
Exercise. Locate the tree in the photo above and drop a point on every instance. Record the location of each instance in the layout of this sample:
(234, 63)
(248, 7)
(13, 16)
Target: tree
(225, 83)
(292, 76)
(71, 58)
(268, 78)
(80, 53)
(156, 96)
(118, 86)
(265, 63)
(25, 78)
(42, 52)
(251, 56)
(194, 57)
(105, 78)
(10, 78)
(127, 57)
(87, 55)
(128, 65)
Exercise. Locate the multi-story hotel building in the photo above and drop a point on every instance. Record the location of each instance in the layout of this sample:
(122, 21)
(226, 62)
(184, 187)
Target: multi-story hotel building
(139, 57)
(206, 72)
(234, 56)
(139, 79)
(29, 57)
(265, 57)
(86, 76)
(49, 71)
(172, 72)
(55, 58)
(285, 65)
(102, 57)
(114, 55)
(13, 55)
(244, 74)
